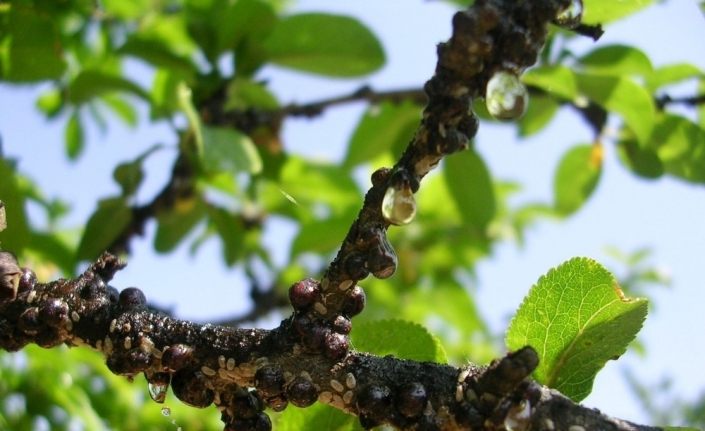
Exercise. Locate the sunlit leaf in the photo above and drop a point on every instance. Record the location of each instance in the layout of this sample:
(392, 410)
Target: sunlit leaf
(93, 83)
(325, 44)
(577, 318)
(617, 60)
(604, 11)
(539, 114)
(380, 128)
(231, 231)
(73, 136)
(672, 74)
(680, 145)
(576, 177)
(400, 338)
(317, 417)
(624, 97)
(174, 225)
(557, 80)
(470, 184)
(226, 149)
(109, 220)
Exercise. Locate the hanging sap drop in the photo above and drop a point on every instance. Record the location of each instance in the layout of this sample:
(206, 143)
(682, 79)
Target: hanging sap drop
(506, 96)
(572, 14)
(399, 205)
(166, 411)
(157, 390)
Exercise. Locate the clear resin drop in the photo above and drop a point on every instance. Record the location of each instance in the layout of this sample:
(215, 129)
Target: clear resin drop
(166, 411)
(157, 391)
(399, 205)
(506, 96)
(572, 14)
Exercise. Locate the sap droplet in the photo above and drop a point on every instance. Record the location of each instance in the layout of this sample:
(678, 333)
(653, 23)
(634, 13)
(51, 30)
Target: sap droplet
(166, 411)
(572, 14)
(399, 205)
(506, 96)
(157, 391)
(518, 417)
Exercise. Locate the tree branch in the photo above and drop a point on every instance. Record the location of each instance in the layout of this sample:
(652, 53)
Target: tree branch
(208, 364)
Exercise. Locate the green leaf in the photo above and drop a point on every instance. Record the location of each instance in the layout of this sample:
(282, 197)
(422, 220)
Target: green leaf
(93, 83)
(245, 20)
(174, 225)
(576, 177)
(380, 128)
(50, 102)
(73, 136)
(108, 221)
(680, 145)
(122, 108)
(403, 339)
(470, 184)
(617, 60)
(672, 74)
(157, 53)
(604, 11)
(538, 115)
(330, 45)
(623, 96)
(557, 80)
(227, 150)
(244, 93)
(231, 231)
(185, 104)
(642, 161)
(34, 51)
(321, 236)
(317, 417)
(577, 318)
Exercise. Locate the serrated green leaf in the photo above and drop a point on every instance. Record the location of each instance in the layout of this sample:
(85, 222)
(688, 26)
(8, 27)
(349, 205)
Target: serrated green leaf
(403, 339)
(105, 224)
(325, 44)
(174, 225)
(227, 150)
(623, 96)
(93, 83)
(317, 417)
(73, 136)
(380, 128)
(672, 74)
(470, 184)
(557, 80)
(538, 115)
(576, 177)
(617, 60)
(34, 51)
(604, 11)
(577, 318)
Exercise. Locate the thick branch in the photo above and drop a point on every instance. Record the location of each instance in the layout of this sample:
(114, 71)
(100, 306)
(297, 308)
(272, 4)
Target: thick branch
(207, 364)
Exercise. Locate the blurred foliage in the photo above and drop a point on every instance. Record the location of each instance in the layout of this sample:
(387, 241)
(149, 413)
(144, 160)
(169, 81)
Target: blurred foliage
(203, 59)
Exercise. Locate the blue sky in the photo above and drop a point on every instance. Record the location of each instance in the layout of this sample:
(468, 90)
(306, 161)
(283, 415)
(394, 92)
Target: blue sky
(625, 211)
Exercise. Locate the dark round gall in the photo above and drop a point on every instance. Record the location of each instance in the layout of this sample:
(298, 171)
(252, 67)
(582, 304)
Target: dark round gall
(246, 404)
(380, 176)
(132, 363)
(190, 389)
(29, 321)
(367, 422)
(277, 403)
(356, 266)
(342, 325)
(301, 392)
(411, 399)
(374, 401)
(131, 297)
(269, 381)
(354, 302)
(302, 324)
(113, 294)
(336, 346)
(304, 293)
(27, 280)
(316, 336)
(177, 357)
(53, 312)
